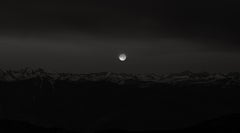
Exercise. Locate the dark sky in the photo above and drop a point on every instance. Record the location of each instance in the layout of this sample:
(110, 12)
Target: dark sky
(158, 36)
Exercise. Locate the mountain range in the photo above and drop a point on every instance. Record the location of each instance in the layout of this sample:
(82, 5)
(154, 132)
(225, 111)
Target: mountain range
(122, 78)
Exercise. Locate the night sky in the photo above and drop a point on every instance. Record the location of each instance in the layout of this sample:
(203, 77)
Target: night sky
(160, 36)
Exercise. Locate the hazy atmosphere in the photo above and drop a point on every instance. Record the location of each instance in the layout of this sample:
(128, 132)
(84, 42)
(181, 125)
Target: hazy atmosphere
(88, 36)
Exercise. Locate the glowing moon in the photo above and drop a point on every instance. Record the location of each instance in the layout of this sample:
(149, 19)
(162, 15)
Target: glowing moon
(122, 57)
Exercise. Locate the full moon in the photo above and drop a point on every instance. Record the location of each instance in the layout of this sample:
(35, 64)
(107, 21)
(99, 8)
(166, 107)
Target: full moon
(122, 57)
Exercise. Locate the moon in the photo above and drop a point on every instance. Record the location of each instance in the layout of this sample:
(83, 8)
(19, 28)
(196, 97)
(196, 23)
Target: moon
(122, 57)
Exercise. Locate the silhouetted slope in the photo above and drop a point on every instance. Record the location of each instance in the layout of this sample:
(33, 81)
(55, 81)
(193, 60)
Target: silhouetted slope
(12, 126)
(223, 124)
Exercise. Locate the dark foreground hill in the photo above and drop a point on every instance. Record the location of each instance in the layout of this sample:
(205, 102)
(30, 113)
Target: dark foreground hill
(13, 126)
(222, 124)
(107, 101)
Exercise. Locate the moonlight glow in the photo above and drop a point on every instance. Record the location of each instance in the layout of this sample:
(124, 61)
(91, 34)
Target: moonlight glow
(122, 57)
